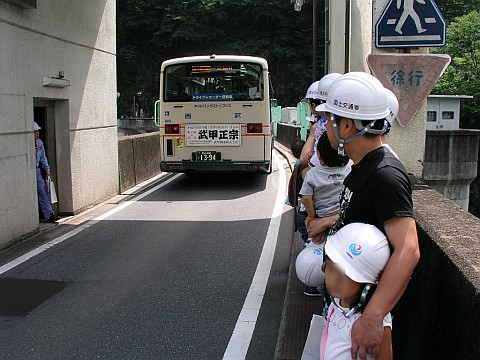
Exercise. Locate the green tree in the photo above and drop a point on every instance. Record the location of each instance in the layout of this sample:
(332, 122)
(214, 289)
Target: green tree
(151, 31)
(452, 9)
(463, 75)
(137, 52)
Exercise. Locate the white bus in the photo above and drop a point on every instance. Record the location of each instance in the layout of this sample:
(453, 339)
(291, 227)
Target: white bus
(214, 114)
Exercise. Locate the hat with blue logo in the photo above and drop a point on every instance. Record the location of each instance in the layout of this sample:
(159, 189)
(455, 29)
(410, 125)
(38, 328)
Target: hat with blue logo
(361, 250)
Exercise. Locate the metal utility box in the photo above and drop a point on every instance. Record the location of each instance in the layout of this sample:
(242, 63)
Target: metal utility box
(443, 111)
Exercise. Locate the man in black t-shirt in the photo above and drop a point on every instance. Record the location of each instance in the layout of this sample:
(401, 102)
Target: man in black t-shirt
(377, 191)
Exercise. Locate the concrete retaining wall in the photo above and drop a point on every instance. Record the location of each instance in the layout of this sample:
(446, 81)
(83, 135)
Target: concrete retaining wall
(450, 163)
(138, 159)
(287, 133)
(438, 316)
(451, 157)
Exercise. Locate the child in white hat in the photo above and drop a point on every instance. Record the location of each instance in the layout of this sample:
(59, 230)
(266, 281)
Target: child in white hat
(355, 258)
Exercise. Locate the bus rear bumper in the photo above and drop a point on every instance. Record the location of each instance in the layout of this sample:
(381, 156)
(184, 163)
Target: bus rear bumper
(215, 166)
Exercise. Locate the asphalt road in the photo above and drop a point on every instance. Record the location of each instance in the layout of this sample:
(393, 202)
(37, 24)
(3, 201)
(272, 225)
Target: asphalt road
(168, 274)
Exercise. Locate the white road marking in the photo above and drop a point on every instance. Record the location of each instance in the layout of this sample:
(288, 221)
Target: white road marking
(242, 334)
(141, 196)
(42, 248)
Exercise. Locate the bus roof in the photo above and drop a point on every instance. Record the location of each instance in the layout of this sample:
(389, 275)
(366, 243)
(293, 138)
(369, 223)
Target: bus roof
(214, 57)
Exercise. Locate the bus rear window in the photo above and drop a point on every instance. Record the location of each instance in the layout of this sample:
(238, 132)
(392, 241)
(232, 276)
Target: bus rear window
(213, 81)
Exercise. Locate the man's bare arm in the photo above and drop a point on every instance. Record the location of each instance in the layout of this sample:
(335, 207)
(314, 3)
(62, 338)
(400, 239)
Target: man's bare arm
(318, 225)
(367, 331)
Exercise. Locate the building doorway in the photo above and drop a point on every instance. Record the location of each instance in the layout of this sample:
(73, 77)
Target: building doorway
(44, 116)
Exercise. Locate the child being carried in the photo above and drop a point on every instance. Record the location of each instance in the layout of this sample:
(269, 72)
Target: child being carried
(322, 184)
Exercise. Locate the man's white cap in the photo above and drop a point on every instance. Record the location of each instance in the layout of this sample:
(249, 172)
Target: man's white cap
(35, 126)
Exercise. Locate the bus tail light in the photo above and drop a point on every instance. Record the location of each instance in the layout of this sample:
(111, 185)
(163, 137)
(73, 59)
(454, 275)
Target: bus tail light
(254, 128)
(172, 129)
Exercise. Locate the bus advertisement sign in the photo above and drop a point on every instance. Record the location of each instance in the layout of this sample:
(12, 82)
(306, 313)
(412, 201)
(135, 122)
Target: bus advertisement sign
(213, 134)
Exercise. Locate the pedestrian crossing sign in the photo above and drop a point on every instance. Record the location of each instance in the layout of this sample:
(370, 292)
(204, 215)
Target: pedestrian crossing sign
(411, 23)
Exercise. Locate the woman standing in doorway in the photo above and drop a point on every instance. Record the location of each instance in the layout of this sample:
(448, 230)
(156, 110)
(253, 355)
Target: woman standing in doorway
(42, 163)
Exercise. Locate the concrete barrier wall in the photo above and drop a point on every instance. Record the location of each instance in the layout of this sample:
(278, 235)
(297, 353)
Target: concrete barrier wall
(438, 316)
(138, 159)
(451, 157)
(450, 163)
(126, 164)
(287, 133)
(146, 150)
(474, 201)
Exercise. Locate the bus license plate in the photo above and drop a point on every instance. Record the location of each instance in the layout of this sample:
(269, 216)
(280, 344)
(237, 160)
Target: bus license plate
(207, 156)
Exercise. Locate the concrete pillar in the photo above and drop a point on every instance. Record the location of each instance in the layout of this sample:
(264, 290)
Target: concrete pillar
(337, 37)
(450, 163)
(359, 36)
(408, 142)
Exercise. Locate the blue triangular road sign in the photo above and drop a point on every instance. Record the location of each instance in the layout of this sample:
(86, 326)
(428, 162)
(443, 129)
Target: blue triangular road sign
(411, 23)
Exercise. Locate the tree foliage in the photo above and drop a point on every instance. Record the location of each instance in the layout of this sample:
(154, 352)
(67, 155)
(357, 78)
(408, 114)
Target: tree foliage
(463, 75)
(452, 9)
(151, 31)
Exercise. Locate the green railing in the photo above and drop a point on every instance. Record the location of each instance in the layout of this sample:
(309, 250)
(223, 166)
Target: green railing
(303, 111)
(276, 117)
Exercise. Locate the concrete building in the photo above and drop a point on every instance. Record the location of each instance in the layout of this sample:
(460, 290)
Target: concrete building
(58, 68)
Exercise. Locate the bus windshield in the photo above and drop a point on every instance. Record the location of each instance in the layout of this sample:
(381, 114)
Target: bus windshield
(219, 81)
